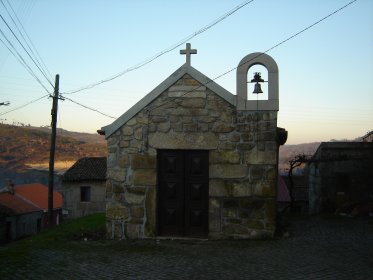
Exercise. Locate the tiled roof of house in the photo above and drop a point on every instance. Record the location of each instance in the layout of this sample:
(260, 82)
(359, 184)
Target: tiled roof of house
(87, 168)
(37, 194)
(15, 205)
(332, 151)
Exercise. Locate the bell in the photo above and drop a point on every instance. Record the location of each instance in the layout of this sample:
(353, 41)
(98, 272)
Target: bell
(257, 88)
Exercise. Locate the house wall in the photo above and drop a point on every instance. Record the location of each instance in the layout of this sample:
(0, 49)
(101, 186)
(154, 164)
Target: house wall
(340, 173)
(77, 208)
(242, 163)
(24, 225)
(314, 189)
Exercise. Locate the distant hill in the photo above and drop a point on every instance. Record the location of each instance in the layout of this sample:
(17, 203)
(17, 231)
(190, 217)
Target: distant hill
(24, 151)
(80, 136)
(22, 147)
(287, 152)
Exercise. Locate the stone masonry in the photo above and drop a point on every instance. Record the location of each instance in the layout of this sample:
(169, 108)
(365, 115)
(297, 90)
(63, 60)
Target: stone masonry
(188, 115)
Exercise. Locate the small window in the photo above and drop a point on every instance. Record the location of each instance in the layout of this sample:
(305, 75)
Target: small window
(85, 193)
(343, 181)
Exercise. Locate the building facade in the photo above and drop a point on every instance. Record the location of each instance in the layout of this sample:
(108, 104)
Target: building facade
(193, 160)
(18, 217)
(37, 194)
(84, 187)
(340, 173)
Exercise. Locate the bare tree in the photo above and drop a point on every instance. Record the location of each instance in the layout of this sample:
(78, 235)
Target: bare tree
(294, 163)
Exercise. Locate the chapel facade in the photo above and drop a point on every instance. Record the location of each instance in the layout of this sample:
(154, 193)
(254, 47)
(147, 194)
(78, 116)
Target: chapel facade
(191, 159)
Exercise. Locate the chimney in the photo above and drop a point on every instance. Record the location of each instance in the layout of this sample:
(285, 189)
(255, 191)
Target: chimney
(10, 186)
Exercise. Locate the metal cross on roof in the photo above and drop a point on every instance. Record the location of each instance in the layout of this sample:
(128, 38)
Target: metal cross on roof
(188, 51)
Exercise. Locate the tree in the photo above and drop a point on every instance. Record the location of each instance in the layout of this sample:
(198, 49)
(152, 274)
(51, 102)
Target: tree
(295, 162)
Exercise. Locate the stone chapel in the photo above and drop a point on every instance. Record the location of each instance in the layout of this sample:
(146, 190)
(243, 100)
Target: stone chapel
(191, 159)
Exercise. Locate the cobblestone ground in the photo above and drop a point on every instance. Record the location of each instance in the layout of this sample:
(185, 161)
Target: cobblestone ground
(318, 248)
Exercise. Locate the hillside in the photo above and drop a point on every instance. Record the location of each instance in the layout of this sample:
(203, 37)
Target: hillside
(287, 152)
(25, 146)
(22, 147)
(24, 151)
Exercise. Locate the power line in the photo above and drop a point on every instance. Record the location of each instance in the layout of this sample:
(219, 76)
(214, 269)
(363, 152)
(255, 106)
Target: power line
(268, 50)
(24, 105)
(26, 51)
(89, 108)
(25, 32)
(169, 49)
(225, 73)
(20, 59)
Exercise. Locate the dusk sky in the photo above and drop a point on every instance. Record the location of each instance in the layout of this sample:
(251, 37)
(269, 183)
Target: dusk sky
(325, 72)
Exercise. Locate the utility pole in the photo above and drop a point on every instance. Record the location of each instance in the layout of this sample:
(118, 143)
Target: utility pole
(52, 150)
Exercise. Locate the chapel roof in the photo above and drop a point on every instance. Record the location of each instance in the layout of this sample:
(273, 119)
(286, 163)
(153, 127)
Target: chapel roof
(172, 79)
(87, 168)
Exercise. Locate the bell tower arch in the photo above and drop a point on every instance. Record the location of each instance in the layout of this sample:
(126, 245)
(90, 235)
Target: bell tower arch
(272, 104)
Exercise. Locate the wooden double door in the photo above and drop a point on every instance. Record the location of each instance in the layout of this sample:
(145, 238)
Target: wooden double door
(183, 193)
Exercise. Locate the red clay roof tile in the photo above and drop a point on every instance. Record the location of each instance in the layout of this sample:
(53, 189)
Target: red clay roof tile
(15, 205)
(38, 195)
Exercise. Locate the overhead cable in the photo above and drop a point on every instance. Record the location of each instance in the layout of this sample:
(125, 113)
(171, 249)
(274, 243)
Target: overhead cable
(24, 105)
(21, 59)
(89, 108)
(26, 51)
(266, 51)
(171, 48)
(223, 74)
(37, 55)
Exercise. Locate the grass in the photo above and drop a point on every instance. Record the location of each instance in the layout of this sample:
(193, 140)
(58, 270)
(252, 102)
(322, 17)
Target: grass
(90, 227)
(65, 236)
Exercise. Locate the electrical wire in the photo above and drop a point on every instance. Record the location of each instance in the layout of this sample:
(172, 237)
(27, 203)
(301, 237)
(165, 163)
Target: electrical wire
(24, 105)
(26, 51)
(167, 50)
(89, 108)
(266, 51)
(223, 74)
(20, 59)
(37, 55)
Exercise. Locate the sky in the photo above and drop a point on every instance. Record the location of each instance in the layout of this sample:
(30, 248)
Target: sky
(325, 72)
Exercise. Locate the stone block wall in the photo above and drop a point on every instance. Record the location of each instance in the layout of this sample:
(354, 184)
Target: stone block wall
(242, 163)
(72, 199)
(338, 174)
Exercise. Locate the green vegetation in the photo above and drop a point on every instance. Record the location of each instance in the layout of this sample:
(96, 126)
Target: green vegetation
(89, 227)
(71, 235)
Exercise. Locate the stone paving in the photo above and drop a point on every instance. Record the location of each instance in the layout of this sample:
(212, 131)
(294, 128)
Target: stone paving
(318, 248)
